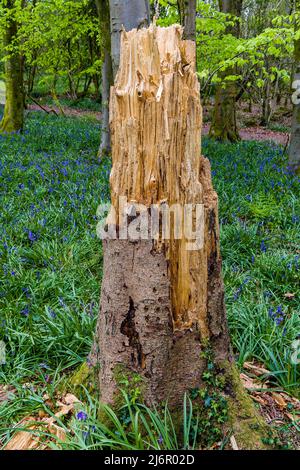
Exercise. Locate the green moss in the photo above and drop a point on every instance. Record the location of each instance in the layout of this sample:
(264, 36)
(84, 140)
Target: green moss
(244, 420)
(83, 377)
(225, 408)
(14, 102)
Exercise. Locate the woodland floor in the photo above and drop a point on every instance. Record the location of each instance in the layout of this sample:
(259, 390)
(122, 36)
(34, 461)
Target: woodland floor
(278, 130)
(51, 265)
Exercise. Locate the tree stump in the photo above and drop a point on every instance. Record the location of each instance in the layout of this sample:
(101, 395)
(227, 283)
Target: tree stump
(162, 302)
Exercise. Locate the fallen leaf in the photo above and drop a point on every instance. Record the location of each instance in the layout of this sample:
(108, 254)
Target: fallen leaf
(70, 399)
(251, 384)
(278, 398)
(289, 295)
(259, 399)
(256, 369)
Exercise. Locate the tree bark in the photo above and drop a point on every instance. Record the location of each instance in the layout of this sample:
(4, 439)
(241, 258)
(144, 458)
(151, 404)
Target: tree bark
(187, 13)
(161, 302)
(107, 75)
(224, 126)
(294, 150)
(126, 14)
(114, 16)
(13, 117)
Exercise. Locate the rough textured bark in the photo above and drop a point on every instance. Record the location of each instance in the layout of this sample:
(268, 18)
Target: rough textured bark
(107, 75)
(14, 101)
(187, 13)
(126, 14)
(224, 126)
(161, 303)
(294, 150)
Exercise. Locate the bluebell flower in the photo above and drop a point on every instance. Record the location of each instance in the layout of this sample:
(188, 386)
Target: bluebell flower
(52, 313)
(43, 365)
(31, 235)
(81, 416)
(263, 247)
(25, 311)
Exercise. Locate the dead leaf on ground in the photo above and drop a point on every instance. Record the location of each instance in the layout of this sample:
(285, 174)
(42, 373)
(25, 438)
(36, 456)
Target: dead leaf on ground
(252, 384)
(256, 369)
(289, 295)
(37, 427)
(279, 399)
(6, 393)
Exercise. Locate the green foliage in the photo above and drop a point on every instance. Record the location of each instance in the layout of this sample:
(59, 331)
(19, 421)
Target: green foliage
(259, 56)
(260, 226)
(58, 37)
(144, 429)
(51, 260)
(210, 403)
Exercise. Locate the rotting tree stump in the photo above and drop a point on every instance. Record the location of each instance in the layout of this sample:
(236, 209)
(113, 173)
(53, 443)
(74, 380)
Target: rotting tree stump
(162, 303)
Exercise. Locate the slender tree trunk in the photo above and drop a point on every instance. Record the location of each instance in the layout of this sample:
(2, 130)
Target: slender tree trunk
(94, 52)
(187, 13)
(14, 101)
(107, 75)
(126, 14)
(266, 104)
(162, 300)
(114, 16)
(294, 150)
(31, 76)
(224, 126)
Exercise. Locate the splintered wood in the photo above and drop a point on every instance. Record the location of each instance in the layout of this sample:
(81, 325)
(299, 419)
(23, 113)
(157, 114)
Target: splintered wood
(156, 120)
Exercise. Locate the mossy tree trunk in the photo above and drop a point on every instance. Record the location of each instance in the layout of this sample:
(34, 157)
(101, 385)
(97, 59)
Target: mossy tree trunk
(13, 118)
(162, 302)
(224, 125)
(294, 150)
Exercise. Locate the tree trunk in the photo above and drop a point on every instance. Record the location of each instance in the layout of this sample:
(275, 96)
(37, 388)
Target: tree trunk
(107, 80)
(223, 126)
(294, 150)
(115, 15)
(162, 299)
(13, 118)
(266, 104)
(125, 14)
(187, 13)
(107, 75)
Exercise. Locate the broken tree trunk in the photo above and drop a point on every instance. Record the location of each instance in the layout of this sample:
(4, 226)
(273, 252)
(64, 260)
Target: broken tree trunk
(162, 302)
